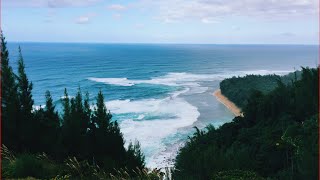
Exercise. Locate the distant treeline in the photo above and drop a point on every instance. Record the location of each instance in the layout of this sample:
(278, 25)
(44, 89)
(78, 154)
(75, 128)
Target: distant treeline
(40, 143)
(239, 89)
(276, 139)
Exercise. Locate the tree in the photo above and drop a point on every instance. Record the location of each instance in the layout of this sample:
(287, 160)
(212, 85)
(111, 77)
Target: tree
(9, 99)
(66, 106)
(109, 148)
(48, 122)
(80, 134)
(51, 125)
(100, 133)
(24, 89)
(66, 129)
(135, 157)
(73, 128)
(101, 115)
(90, 129)
(82, 111)
(277, 138)
(86, 108)
(25, 123)
(50, 113)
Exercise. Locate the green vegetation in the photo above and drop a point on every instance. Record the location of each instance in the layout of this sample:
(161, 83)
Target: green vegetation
(28, 166)
(82, 144)
(239, 89)
(236, 175)
(276, 139)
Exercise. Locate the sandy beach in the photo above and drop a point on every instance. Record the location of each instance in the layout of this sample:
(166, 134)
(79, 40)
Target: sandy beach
(229, 104)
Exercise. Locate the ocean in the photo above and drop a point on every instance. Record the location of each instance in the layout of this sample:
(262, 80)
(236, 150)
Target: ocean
(157, 92)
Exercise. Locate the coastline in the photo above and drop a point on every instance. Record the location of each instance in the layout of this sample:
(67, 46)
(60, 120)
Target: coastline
(226, 102)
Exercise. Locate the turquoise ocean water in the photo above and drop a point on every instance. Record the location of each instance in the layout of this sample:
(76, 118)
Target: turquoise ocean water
(157, 93)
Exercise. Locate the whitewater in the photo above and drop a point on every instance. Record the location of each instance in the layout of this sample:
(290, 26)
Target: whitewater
(159, 124)
(157, 92)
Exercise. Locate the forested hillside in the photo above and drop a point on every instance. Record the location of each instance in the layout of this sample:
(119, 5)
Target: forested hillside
(238, 89)
(277, 138)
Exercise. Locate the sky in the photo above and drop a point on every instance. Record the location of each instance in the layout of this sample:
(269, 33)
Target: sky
(162, 21)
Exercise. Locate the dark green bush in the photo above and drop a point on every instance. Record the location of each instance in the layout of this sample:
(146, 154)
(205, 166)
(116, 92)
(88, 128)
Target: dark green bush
(236, 175)
(28, 165)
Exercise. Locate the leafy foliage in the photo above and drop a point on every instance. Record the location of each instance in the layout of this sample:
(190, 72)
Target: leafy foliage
(9, 99)
(277, 138)
(87, 135)
(236, 175)
(239, 89)
(28, 166)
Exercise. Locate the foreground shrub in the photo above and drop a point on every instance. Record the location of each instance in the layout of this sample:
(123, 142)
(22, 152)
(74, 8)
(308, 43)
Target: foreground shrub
(236, 175)
(29, 165)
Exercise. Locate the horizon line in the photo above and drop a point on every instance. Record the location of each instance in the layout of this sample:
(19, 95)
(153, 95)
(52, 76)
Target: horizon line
(160, 43)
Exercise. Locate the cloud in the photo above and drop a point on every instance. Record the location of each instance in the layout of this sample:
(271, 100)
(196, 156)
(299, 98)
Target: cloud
(287, 34)
(117, 7)
(70, 3)
(204, 10)
(236, 28)
(82, 20)
(139, 25)
(207, 20)
(116, 16)
(49, 3)
(51, 14)
(48, 20)
(85, 19)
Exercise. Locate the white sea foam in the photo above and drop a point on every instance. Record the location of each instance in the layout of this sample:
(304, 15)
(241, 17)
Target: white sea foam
(170, 113)
(64, 97)
(183, 79)
(151, 121)
(171, 79)
(114, 81)
(141, 116)
(35, 107)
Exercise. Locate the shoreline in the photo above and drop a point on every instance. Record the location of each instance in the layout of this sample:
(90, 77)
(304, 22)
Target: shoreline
(226, 102)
